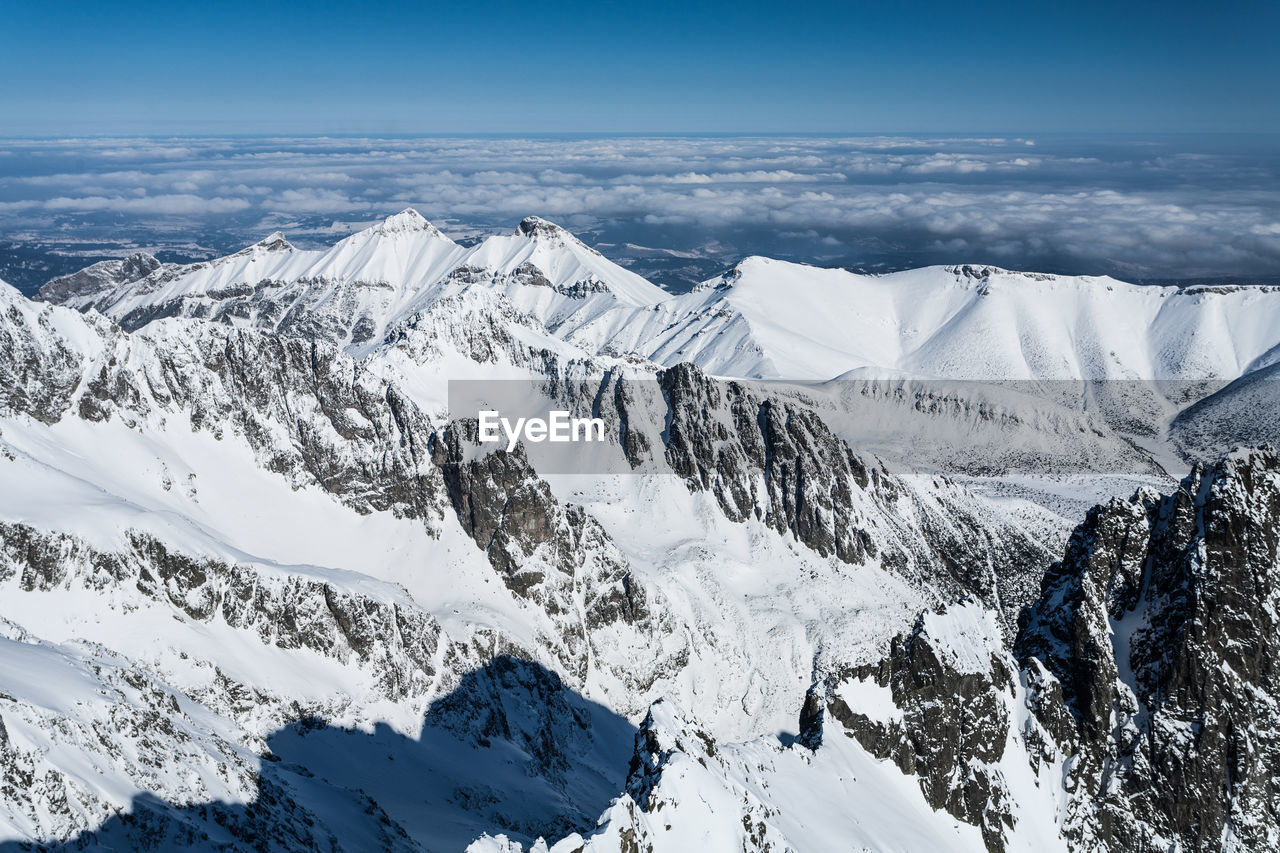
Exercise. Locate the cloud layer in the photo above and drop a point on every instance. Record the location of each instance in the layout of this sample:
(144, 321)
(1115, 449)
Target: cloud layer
(1137, 208)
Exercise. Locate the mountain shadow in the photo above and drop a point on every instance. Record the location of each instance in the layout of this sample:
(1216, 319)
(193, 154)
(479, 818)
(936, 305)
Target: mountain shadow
(511, 750)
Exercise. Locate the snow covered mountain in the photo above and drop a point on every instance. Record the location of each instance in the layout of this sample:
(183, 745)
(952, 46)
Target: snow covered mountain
(1072, 355)
(365, 285)
(968, 322)
(263, 588)
(764, 319)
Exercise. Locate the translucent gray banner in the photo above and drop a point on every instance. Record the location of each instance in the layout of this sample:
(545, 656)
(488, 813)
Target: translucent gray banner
(614, 425)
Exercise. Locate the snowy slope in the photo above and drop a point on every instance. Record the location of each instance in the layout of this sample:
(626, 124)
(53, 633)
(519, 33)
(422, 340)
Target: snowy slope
(423, 310)
(775, 319)
(763, 319)
(226, 511)
(364, 285)
(241, 527)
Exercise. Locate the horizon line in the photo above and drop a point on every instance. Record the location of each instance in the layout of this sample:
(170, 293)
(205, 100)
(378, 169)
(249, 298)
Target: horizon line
(654, 134)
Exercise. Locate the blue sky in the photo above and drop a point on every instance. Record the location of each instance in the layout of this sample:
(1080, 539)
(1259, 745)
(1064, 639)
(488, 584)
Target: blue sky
(529, 67)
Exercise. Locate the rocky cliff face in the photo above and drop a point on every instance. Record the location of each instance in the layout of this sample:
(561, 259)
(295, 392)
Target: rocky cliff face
(1143, 676)
(767, 458)
(309, 411)
(1160, 625)
(179, 745)
(214, 739)
(953, 691)
(556, 557)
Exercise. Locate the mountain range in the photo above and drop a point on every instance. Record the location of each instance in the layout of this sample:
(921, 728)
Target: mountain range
(953, 558)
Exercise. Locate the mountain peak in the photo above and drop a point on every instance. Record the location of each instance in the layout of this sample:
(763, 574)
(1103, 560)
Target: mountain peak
(274, 242)
(536, 226)
(99, 277)
(731, 276)
(407, 220)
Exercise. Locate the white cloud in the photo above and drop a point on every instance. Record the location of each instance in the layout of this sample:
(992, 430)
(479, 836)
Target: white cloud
(183, 204)
(1090, 207)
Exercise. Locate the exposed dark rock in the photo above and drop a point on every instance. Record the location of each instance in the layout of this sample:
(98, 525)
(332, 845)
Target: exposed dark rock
(1161, 624)
(1148, 667)
(778, 462)
(555, 556)
(353, 435)
(100, 277)
(953, 724)
(396, 640)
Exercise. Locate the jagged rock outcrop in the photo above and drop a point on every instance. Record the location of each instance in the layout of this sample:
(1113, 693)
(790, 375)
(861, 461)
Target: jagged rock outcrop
(776, 461)
(101, 276)
(394, 640)
(308, 411)
(1161, 626)
(354, 435)
(41, 366)
(128, 723)
(1143, 680)
(553, 555)
(672, 750)
(941, 707)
